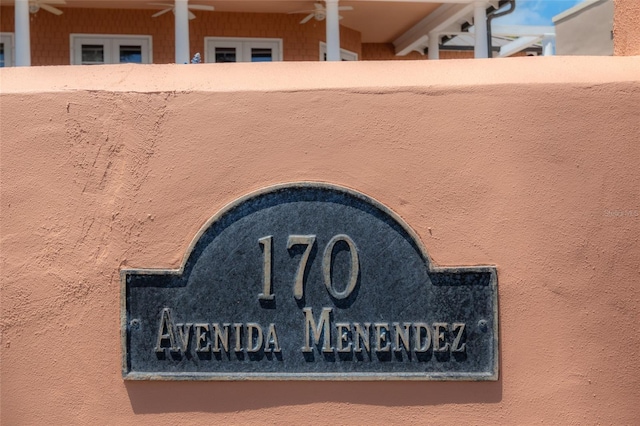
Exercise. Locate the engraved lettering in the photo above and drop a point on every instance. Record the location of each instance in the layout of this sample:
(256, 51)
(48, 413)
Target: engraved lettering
(254, 345)
(402, 336)
(327, 265)
(238, 335)
(220, 337)
(323, 329)
(456, 347)
(267, 290)
(343, 330)
(184, 334)
(349, 337)
(272, 339)
(165, 332)
(362, 335)
(438, 337)
(422, 345)
(382, 336)
(308, 241)
(202, 329)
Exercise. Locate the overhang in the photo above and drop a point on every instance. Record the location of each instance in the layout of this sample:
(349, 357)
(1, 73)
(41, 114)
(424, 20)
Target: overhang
(378, 21)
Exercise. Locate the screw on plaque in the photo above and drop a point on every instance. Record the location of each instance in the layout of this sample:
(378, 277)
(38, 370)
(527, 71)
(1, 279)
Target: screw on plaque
(482, 326)
(134, 323)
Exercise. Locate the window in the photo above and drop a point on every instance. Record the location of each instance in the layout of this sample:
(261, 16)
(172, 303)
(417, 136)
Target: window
(95, 49)
(345, 55)
(6, 50)
(224, 49)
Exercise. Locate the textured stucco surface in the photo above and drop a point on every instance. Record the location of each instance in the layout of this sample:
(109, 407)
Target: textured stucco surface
(626, 28)
(528, 164)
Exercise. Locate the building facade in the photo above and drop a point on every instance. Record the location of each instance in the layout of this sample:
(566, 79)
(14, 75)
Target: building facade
(75, 32)
(585, 29)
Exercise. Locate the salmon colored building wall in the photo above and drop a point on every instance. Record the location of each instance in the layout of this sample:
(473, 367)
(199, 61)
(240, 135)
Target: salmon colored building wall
(51, 44)
(626, 28)
(386, 52)
(529, 164)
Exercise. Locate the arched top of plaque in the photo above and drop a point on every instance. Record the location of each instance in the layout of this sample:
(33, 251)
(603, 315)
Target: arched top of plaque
(303, 193)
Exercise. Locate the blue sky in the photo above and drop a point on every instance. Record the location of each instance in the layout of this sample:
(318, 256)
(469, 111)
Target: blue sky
(536, 12)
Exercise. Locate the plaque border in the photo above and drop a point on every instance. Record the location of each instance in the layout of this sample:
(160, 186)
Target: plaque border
(365, 376)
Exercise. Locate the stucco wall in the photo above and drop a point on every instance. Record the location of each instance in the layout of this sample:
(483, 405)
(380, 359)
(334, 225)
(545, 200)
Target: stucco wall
(626, 27)
(529, 164)
(387, 52)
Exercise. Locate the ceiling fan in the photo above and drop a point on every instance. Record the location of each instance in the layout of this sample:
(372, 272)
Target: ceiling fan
(319, 12)
(35, 6)
(171, 8)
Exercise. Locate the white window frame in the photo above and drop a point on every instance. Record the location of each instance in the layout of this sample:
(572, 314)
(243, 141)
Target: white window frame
(111, 43)
(9, 49)
(243, 46)
(345, 55)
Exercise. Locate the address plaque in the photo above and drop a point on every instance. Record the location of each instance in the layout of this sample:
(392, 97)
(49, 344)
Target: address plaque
(309, 281)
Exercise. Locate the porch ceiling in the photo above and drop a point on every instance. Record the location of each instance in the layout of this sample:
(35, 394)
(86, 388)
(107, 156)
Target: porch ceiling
(377, 21)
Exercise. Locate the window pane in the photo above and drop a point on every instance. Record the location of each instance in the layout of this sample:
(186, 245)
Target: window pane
(1, 55)
(92, 54)
(225, 54)
(130, 54)
(261, 55)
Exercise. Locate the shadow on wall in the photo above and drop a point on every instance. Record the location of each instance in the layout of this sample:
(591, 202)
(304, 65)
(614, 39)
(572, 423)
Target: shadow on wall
(218, 397)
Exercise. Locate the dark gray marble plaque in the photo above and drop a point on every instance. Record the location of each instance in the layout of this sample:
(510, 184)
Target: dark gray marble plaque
(309, 281)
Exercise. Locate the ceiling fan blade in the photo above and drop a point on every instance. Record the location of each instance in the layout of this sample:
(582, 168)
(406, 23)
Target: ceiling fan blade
(307, 18)
(191, 15)
(162, 12)
(345, 8)
(167, 5)
(201, 7)
(50, 9)
(318, 6)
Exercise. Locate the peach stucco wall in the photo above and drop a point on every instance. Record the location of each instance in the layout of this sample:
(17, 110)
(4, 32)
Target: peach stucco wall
(529, 164)
(387, 52)
(626, 28)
